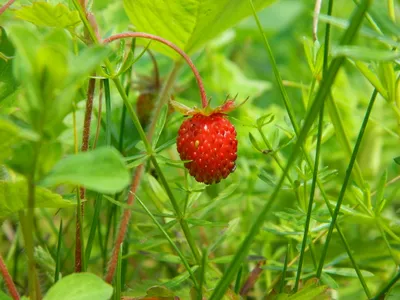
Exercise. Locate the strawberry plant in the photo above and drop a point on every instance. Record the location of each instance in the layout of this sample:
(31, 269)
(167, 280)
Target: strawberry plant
(128, 171)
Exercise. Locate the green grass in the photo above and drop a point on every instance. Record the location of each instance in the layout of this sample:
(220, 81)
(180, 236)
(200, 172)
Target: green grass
(315, 193)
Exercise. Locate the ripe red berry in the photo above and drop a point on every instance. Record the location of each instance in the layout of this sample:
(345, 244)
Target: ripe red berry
(210, 143)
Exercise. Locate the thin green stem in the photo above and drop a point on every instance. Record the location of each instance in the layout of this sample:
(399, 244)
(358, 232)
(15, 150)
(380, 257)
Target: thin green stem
(381, 229)
(274, 155)
(311, 200)
(285, 265)
(179, 215)
(320, 97)
(58, 255)
(342, 137)
(93, 228)
(107, 95)
(344, 187)
(386, 289)
(278, 77)
(173, 245)
(33, 280)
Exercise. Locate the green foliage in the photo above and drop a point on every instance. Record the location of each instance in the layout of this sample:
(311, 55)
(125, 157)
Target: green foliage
(8, 83)
(182, 238)
(75, 286)
(48, 14)
(101, 170)
(14, 195)
(188, 24)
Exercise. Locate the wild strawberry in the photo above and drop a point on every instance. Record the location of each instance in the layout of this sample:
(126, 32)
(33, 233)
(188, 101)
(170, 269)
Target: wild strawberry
(208, 141)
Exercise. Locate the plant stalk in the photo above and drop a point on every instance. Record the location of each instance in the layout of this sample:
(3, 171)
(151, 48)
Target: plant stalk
(12, 289)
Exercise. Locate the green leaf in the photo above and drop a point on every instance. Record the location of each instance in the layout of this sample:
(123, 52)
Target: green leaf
(229, 231)
(365, 53)
(329, 281)
(348, 272)
(179, 279)
(310, 291)
(199, 222)
(47, 14)
(14, 195)
(160, 291)
(86, 62)
(8, 136)
(397, 160)
(160, 125)
(254, 142)
(80, 286)
(101, 170)
(188, 24)
(8, 83)
(3, 296)
(158, 191)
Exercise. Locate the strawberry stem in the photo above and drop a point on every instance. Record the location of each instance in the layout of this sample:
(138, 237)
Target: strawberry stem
(157, 83)
(125, 35)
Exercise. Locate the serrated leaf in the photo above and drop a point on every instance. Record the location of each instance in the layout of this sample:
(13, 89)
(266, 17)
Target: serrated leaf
(187, 23)
(14, 196)
(75, 286)
(160, 124)
(101, 170)
(47, 14)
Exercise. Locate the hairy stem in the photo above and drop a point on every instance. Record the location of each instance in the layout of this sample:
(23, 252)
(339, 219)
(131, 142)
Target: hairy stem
(8, 280)
(203, 95)
(125, 219)
(84, 148)
(126, 216)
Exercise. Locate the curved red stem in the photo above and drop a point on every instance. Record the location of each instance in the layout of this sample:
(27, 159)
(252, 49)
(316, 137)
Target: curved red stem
(125, 35)
(5, 6)
(8, 280)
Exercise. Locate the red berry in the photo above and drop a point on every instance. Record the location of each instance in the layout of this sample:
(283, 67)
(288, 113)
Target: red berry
(210, 143)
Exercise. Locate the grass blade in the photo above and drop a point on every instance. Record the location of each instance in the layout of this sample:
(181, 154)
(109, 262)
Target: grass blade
(173, 245)
(58, 259)
(320, 97)
(344, 187)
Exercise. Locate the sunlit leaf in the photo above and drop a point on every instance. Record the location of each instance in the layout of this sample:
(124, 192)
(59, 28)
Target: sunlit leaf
(101, 170)
(14, 197)
(75, 286)
(47, 14)
(188, 24)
